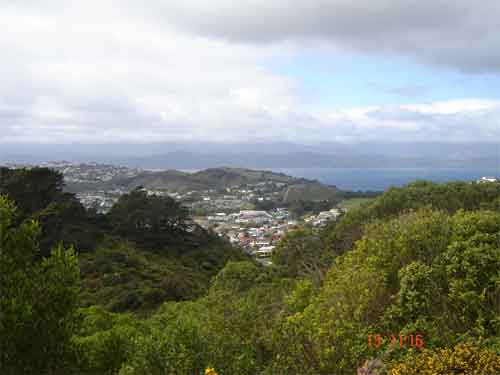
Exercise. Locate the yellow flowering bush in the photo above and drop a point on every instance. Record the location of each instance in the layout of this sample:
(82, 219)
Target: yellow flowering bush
(210, 371)
(463, 359)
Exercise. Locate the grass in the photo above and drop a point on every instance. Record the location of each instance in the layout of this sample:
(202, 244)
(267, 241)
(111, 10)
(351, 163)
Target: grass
(352, 203)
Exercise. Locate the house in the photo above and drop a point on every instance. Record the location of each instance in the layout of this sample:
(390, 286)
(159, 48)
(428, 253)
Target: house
(219, 217)
(265, 251)
(258, 217)
(488, 179)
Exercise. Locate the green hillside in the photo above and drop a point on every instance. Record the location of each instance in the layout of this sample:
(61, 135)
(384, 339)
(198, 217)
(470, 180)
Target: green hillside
(408, 283)
(226, 177)
(352, 203)
(177, 181)
(310, 192)
(143, 252)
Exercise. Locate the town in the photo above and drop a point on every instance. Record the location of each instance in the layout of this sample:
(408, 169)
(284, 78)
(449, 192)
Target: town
(252, 216)
(258, 232)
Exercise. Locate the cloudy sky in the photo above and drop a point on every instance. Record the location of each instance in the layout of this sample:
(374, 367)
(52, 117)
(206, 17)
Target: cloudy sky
(261, 71)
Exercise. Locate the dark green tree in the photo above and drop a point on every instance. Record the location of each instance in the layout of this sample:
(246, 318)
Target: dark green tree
(148, 219)
(300, 253)
(69, 223)
(32, 189)
(38, 300)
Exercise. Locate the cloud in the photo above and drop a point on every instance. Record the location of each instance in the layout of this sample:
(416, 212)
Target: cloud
(91, 76)
(449, 121)
(98, 72)
(457, 33)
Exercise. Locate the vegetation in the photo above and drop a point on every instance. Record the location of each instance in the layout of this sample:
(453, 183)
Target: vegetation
(122, 277)
(423, 259)
(39, 298)
(299, 208)
(310, 192)
(462, 359)
(143, 252)
(300, 253)
(423, 272)
(354, 203)
(212, 178)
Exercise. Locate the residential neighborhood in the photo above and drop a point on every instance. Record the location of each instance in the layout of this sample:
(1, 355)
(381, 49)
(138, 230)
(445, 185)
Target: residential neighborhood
(234, 212)
(252, 216)
(258, 232)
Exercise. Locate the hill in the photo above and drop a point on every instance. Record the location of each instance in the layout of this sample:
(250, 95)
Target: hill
(145, 251)
(173, 181)
(212, 178)
(310, 192)
(408, 283)
(419, 262)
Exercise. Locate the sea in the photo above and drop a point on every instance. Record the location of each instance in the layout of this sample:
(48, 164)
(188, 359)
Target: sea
(378, 179)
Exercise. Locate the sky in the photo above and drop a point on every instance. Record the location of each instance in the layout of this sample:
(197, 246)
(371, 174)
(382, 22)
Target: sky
(300, 71)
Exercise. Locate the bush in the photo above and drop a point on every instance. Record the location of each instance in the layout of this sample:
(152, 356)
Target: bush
(462, 359)
(105, 341)
(39, 299)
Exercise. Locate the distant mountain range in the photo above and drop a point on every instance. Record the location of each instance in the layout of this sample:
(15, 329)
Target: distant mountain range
(199, 155)
(197, 160)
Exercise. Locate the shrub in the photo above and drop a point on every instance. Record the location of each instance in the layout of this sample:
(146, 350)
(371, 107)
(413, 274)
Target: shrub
(462, 359)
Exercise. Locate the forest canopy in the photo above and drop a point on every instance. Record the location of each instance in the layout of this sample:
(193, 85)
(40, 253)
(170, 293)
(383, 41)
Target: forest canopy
(418, 261)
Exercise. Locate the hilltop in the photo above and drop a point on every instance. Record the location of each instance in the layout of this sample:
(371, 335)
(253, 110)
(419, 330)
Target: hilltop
(212, 178)
(101, 177)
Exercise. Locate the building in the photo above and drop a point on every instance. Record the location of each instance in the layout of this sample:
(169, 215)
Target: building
(265, 251)
(488, 179)
(257, 217)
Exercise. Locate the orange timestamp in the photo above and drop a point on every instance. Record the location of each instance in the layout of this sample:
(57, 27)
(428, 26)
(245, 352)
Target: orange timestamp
(396, 341)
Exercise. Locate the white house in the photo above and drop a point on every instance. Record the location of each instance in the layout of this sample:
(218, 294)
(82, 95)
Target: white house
(487, 179)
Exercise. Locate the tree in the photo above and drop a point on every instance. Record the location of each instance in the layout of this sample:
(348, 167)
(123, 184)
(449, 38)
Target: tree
(69, 223)
(32, 189)
(171, 344)
(451, 197)
(300, 207)
(39, 298)
(105, 341)
(424, 271)
(242, 308)
(149, 219)
(300, 253)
